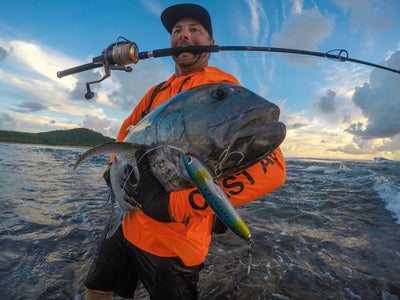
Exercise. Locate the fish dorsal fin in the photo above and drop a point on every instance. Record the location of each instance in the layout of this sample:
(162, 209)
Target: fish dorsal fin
(130, 128)
(125, 150)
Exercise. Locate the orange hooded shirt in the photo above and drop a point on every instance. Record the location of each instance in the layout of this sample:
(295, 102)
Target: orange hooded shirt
(189, 236)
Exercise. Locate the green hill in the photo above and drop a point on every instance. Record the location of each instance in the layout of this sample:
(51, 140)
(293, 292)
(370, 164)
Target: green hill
(74, 137)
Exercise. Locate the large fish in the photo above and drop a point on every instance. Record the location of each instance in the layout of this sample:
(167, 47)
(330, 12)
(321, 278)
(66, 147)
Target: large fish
(226, 126)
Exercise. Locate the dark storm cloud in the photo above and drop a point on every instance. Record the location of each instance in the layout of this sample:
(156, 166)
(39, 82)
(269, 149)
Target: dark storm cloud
(379, 101)
(327, 103)
(30, 106)
(297, 126)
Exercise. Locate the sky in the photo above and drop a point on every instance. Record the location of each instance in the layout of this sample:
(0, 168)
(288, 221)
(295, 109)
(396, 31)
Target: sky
(338, 110)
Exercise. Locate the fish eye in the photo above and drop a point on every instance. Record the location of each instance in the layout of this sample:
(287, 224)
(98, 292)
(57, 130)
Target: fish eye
(189, 159)
(220, 94)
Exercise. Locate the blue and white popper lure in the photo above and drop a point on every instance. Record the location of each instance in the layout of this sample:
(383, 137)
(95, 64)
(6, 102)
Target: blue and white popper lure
(218, 201)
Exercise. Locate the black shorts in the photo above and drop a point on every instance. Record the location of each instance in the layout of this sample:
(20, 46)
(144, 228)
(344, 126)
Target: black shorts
(119, 265)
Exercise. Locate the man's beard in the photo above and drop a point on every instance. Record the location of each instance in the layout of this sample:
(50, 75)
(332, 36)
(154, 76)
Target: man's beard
(187, 59)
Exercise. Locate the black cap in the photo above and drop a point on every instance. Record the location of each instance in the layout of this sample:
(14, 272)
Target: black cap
(171, 15)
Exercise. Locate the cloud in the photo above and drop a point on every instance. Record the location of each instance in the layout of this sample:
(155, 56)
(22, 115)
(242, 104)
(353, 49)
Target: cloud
(42, 91)
(259, 21)
(374, 128)
(352, 149)
(32, 123)
(297, 6)
(365, 14)
(34, 89)
(30, 106)
(127, 89)
(379, 102)
(79, 90)
(301, 32)
(93, 122)
(312, 140)
(297, 125)
(391, 145)
(103, 125)
(122, 90)
(3, 53)
(44, 61)
(327, 103)
(154, 7)
(294, 121)
(39, 90)
(253, 29)
(387, 147)
(6, 122)
(334, 109)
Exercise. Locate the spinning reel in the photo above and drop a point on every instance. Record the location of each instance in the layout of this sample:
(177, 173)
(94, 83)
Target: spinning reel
(115, 57)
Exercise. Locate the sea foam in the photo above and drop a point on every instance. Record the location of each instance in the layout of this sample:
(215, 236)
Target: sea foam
(390, 194)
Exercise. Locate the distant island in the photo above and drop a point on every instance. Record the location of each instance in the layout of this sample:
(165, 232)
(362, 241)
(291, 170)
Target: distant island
(73, 137)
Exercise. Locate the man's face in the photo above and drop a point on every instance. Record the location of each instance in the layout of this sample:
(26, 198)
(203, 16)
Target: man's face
(189, 32)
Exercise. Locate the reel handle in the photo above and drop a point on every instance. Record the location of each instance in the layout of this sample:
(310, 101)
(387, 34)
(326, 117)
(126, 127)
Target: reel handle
(78, 69)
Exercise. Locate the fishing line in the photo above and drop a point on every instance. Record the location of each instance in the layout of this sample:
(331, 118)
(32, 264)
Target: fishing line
(224, 157)
(148, 152)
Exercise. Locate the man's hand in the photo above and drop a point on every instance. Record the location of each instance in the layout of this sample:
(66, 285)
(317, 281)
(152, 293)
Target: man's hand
(147, 192)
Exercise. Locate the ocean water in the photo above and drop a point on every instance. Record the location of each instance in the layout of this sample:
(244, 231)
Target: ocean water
(331, 232)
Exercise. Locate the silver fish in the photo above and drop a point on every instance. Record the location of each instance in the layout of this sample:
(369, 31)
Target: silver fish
(226, 126)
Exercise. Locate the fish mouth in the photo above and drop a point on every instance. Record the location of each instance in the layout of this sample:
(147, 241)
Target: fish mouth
(249, 137)
(276, 130)
(256, 120)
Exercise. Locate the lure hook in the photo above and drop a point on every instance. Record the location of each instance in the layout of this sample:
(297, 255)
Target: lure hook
(250, 252)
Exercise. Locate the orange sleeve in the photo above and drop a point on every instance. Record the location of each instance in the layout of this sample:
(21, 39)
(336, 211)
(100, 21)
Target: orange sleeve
(254, 182)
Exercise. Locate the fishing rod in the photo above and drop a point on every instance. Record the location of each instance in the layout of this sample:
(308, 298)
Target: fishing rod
(124, 52)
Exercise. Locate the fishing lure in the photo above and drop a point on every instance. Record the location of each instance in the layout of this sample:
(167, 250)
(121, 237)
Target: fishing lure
(218, 201)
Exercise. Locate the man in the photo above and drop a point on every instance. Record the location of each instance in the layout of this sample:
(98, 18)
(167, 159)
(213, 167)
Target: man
(164, 244)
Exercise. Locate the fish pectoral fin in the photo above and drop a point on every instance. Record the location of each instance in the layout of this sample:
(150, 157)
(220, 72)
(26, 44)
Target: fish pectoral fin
(117, 215)
(125, 150)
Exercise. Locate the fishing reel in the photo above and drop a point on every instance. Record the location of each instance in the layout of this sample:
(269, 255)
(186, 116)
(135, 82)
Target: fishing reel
(115, 57)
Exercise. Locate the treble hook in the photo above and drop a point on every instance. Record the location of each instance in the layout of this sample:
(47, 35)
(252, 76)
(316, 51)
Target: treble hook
(250, 252)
